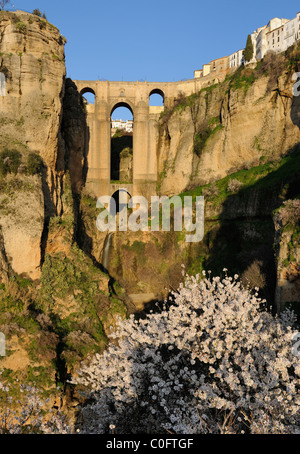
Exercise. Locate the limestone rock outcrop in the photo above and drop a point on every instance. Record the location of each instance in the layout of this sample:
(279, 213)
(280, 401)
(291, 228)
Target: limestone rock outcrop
(245, 126)
(32, 68)
(287, 249)
(22, 223)
(32, 61)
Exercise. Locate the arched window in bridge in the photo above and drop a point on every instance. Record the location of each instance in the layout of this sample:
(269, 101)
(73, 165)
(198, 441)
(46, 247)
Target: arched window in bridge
(156, 98)
(121, 168)
(88, 95)
(2, 85)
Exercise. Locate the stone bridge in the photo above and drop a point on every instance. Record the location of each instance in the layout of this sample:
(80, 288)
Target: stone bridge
(135, 96)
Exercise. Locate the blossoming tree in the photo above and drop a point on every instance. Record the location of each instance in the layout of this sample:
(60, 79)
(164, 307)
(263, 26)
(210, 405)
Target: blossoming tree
(215, 361)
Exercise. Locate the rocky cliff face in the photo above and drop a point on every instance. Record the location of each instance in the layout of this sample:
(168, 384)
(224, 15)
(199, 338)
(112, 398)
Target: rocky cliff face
(287, 248)
(22, 223)
(40, 113)
(55, 302)
(237, 124)
(33, 79)
(32, 61)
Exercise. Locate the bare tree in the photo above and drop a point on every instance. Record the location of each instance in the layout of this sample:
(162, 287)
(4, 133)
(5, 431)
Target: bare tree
(4, 3)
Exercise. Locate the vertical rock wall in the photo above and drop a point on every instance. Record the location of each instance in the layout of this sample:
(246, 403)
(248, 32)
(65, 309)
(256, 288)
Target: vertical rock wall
(32, 82)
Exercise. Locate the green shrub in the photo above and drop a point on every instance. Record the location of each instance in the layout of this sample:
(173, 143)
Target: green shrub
(293, 56)
(11, 305)
(137, 247)
(126, 152)
(249, 49)
(37, 12)
(201, 138)
(210, 191)
(243, 79)
(34, 164)
(273, 65)
(234, 185)
(21, 27)
(10, 161)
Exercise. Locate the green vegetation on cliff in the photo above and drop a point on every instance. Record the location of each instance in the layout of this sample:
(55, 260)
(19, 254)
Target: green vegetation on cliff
(239, 226)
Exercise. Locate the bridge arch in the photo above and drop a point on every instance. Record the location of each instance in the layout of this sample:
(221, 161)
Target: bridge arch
(156, 94)
(122, 104)
(121, 145)
(88, 91)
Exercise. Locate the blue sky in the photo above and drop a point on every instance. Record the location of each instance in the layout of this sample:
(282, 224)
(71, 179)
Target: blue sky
(158, 40)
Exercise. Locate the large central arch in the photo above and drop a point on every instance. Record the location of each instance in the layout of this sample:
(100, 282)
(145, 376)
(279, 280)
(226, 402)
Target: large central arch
(121, 152)
(122, 104)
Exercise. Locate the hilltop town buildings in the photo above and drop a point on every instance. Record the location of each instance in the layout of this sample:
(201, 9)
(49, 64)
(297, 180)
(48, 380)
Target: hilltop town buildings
(122, 125)
(277, 36)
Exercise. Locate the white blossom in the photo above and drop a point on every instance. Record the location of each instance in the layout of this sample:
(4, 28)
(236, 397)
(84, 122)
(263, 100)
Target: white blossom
(214, 352)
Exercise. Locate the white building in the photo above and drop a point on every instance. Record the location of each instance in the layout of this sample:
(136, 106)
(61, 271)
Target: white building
(121, 124)
(292, 31)
(206, 69)
(198, 73)
(275, 36)
(129, 126)
(236, 59)
(267, 38)
(254, 36)
(260, 43)
(278, 35)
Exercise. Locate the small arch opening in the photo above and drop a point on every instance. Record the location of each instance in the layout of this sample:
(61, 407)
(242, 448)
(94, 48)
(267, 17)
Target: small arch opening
(88, 95)
(156, 98)
(121, 169)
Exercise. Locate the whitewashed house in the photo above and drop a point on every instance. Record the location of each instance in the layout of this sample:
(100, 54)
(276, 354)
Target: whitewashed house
(291, 31)
(236, 59)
